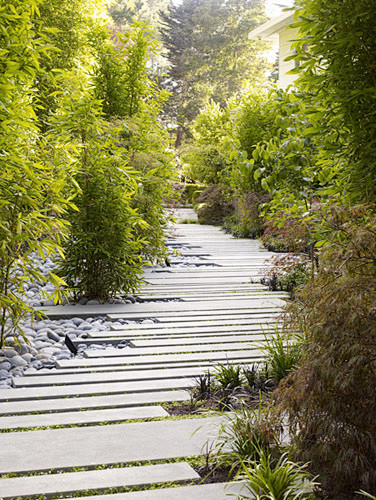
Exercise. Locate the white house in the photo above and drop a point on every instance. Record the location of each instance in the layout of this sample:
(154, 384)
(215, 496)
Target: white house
(276, 30)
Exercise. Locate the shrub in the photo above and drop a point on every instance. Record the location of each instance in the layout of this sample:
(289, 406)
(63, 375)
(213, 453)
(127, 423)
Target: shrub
(288, 273)
(246, 222)
(229, 376)
(244, 432)
(282, 352)
(267, 479)
(204, 386)
(286, 233)
(338, 69)
(331, 397)
(211, 206)
(102, 254)
(191, 192)
(257, 379)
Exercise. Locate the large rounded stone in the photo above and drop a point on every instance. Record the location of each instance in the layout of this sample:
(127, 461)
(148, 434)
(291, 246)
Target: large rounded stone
(28, 357)
(10, 353)
(77, 321)
(53, 336)
(18, 361)
(5, 365)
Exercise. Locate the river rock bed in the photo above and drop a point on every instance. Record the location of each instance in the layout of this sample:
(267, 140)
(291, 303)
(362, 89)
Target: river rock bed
(44, 339)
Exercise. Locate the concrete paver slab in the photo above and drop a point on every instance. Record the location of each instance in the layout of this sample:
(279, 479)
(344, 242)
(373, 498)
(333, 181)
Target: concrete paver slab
(72, 482)
(255, 339)
(217, 313)
(95, 378)
(19, 406)
(72, 390)
(163, 360)
(189, 321)
(110, 444)
(81, 417)
(157, 307)
(123, 368)
(216, 491)
(257, 326)
(129, 352)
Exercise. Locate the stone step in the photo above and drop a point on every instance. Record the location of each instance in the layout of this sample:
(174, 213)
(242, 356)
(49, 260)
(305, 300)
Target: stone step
(186, 341)
(89, 389)
(81, 417)
(176, 315)
(56, 449)
(163, 360)
(231, 334)
(179, 321)
(185, 328)
(214, 491)
(205, 281)
(200, 283)
(211, 296)
(156, 351)
(99, 480)
(99, 378)
(67, 311)
(85, 403)
(113, 369)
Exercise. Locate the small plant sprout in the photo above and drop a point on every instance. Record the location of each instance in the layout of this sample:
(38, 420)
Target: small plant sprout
(203, 389)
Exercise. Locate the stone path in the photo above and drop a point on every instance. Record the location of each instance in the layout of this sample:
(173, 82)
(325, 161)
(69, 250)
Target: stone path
(99, 418)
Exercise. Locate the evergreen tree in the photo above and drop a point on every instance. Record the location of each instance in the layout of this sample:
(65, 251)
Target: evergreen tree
(209, 51)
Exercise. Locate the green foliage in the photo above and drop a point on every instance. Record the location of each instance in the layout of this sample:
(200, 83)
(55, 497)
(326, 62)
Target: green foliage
(211, 206)
(245, 432)
(282, 352)
(267, 479)
(330, 398)
(102, 254)
(203, 157)
(32, 197)
(247, 222)
(191, 192)
(229, 376)
(365, 494)
(289, 273)
(288, 231)
(201, 38)
(132, 101)
(126, 12)
(338, 69)
(122, 77)
(66, 29)
(285, 163)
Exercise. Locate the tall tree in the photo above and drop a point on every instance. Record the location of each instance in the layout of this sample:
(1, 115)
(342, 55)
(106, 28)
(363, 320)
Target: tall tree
(209, 51)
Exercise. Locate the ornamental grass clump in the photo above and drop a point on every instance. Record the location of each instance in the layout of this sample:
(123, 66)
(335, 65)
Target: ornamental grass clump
(330, 398)
(268, 479)
(283, 352)
(245, 431)
(229, 376)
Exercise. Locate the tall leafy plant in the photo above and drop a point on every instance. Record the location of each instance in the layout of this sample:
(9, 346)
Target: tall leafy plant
(133, 102)
(330, 398)
(336, 49)
(32, 196)
(103, 252)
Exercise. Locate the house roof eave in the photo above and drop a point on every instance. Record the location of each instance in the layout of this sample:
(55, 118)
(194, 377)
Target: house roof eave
(269, 30)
